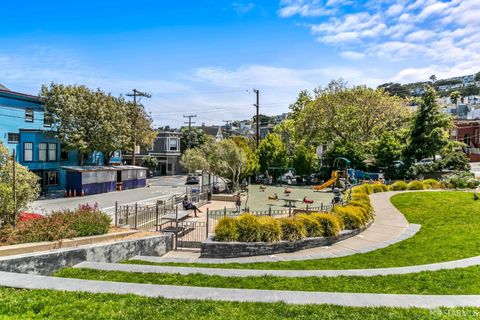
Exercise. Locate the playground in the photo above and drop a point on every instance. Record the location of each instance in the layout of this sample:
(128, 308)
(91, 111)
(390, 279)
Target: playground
(263, 197)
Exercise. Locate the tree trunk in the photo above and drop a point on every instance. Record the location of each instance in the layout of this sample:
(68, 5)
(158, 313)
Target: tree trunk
(80, 157)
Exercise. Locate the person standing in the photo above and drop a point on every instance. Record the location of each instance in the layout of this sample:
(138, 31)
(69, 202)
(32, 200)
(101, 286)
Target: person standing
(238, 202)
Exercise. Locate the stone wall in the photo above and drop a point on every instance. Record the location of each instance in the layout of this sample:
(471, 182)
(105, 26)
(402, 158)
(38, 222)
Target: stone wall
(217, 249)
(47, 262)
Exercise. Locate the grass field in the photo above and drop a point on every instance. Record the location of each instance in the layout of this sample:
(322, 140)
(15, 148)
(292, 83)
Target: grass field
(45, 304)
(450, 230)
(456, 281)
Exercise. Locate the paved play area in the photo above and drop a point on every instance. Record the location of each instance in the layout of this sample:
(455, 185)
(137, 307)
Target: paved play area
(262, 197)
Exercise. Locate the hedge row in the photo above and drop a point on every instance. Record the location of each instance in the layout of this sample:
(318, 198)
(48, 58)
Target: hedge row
(65, 224)
(250, 228)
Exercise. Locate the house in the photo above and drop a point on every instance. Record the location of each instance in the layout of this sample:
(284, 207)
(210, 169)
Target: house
(166, 149)
(467, 131)
(27, 129)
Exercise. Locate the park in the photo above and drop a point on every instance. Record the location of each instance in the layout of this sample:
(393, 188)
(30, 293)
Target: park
(289, 159)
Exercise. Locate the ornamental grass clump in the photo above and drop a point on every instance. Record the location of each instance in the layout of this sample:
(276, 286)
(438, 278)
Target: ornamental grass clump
(398, 186)
(365, 206)
(331, 224)
(431, 184)
(363, 188)
(415, 185)
(292, 229)
(270, 229)
(353, 217)
(313, 228)
(226, 229)
(248, 228)
(379, 187)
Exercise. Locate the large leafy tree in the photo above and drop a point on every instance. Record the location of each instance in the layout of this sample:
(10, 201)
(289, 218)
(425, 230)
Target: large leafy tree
(304, 160)
(247, 145)
(272, 152)
(27, 187)
(351, 115)
(429, 131)
(197, 138)
(92, 120)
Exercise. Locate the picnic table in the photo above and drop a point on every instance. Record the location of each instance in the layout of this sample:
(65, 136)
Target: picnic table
(291, 203)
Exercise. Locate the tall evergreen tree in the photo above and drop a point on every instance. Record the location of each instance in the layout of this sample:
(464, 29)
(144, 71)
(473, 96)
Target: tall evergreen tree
(429, 132)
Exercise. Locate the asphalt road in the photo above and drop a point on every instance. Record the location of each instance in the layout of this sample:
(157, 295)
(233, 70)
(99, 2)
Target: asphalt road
(158, 188)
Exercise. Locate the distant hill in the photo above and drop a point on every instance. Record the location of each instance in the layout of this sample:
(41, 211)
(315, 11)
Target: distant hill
(467, 86)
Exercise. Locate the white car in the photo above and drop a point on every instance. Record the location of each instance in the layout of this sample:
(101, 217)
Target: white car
(429, 160)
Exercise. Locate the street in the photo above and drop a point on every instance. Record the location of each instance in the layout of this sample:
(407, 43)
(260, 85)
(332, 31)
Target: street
(158, 188)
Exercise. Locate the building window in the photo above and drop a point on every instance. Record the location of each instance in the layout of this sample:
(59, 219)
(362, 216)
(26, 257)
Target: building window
(52, 152)
(169, 167)
(151, 147)
(47, 119)
(29, 113)
(173, 144)
(42, 151)
(13, 137)
(63, 153)
(27, 151)
(137, 149)
(51, 178)
(475, 139)
(466, 139)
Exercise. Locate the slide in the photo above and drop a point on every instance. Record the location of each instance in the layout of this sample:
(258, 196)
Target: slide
(328, 183)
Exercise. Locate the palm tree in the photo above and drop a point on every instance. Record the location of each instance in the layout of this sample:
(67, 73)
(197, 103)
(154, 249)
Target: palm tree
(455, 97)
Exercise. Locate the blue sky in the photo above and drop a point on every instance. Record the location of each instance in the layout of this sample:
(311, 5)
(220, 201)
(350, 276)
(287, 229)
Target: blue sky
(205, 57)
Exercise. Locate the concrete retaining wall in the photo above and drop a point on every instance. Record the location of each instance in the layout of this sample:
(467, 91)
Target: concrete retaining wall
(217, 249)
(47, 262)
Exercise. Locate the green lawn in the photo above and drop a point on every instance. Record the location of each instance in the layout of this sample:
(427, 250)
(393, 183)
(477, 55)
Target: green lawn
(45, 304)
(450, 231)
(456, 281)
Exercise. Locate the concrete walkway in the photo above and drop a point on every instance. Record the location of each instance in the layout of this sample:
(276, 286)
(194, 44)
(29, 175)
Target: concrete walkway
(389, 227)
(463, 263)
(27, 281)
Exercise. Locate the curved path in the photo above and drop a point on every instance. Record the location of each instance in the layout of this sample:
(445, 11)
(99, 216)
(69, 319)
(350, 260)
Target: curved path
(389, 227)
(27, 281)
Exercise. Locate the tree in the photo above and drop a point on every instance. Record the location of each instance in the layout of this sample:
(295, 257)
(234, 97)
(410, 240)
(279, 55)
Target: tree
(272, 152)
(197, 137)
(27, 187)
(386, 150)
(141, 132)
(353, 152)
(395, 89)
(230, 161)
(247, 145)
(351, 115)
(304, 160)
(150, 162)
(195, 159)
(87, 120)
(455, 97)
(304, 97)
(429, 131)
(433, 78)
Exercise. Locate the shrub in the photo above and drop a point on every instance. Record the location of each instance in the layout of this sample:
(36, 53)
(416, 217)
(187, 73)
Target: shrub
(292, 229)
(312, 227)
(460, 180)
(248, 228)
(85, 221)
(226, 230)
(353, 217)
(330, 223)
(363, 188)
(365, 206)
(473, 183)
(415, 185)
(25, 216)
(431, 184)
(360, 196)
(270, 229)
(398, 186)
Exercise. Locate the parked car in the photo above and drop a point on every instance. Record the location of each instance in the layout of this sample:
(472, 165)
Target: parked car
(429, 160)
(191, 179)
(198, 173)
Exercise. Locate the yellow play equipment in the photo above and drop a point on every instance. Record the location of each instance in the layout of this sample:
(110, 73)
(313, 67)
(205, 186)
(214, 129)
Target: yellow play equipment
(274, 197)
(331, 181)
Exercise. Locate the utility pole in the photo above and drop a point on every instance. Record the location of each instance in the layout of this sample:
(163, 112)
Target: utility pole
(136, 94)
(227, 127)
(257, 105)
(14, 185)
(190, 116)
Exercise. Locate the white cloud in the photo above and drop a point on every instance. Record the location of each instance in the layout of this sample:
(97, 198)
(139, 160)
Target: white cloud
(438, 33)
(352, 55)
(242, 8)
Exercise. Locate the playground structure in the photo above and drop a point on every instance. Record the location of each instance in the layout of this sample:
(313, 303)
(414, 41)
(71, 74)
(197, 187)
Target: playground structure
(339, 173)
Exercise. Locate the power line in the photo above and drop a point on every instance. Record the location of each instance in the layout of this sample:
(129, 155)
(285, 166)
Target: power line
(136, 94)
